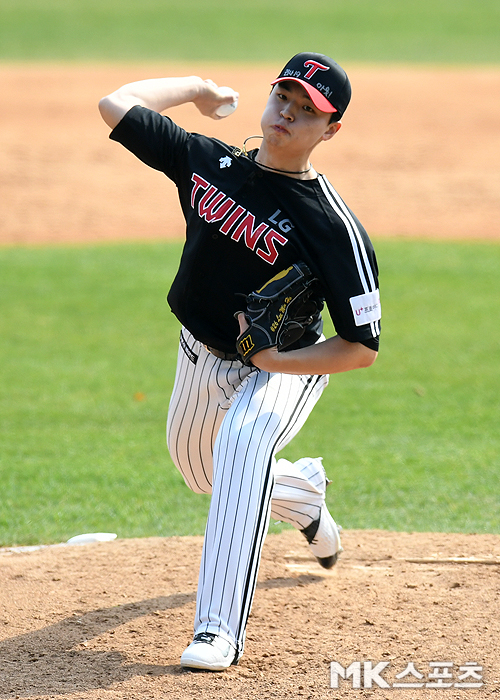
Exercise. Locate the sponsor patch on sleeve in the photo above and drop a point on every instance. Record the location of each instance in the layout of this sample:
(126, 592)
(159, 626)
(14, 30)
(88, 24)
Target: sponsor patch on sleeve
(366, 308)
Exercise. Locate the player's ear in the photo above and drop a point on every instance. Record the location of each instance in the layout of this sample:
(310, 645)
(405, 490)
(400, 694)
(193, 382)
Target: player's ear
(331, 131)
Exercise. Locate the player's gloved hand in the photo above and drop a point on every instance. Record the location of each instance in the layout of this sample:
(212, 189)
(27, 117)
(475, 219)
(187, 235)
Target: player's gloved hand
(278, 313)
(264, 359)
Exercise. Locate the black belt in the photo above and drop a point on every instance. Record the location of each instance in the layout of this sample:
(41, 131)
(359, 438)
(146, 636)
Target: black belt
(222, 355)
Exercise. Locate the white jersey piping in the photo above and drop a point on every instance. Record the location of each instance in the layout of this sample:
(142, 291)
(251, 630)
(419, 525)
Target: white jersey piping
(360, 255)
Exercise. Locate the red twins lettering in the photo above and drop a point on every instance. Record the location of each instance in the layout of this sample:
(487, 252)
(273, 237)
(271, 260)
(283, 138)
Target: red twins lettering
(216, 207)
(313, 67)
(252, 234)
(270, 238)
(198, 182)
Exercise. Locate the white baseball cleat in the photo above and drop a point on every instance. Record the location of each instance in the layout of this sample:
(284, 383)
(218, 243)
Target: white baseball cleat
(208, 652)
(323, 536)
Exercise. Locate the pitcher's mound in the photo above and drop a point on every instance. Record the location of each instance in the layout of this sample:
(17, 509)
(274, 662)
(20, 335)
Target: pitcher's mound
(110, 620)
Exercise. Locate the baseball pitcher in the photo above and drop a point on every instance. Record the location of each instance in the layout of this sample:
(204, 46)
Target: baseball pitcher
(269, 246)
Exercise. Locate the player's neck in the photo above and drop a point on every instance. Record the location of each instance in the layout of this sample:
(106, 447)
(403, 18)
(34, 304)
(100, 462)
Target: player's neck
(299, 168)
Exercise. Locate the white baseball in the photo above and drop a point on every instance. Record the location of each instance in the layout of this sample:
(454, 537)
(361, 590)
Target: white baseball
(226, 110)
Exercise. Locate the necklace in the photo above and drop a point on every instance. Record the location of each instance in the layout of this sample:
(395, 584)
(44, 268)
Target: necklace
(288, 172)
(268, 167)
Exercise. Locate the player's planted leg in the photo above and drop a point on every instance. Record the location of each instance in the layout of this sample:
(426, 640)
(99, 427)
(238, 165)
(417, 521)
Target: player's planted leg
(208, 652)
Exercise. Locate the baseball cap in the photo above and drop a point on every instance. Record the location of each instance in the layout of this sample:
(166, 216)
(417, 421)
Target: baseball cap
(324, 80)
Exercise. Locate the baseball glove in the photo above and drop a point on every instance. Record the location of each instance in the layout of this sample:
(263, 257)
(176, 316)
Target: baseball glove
(279, 312)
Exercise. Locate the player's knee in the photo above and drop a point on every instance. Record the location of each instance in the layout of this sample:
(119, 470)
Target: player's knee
(196, 482)
(197, 488)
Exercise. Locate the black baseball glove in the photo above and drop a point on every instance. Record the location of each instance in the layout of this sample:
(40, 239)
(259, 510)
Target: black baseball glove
(279, 312)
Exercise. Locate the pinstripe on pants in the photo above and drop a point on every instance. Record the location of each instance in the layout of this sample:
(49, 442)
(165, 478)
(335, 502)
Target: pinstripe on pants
(225, 424)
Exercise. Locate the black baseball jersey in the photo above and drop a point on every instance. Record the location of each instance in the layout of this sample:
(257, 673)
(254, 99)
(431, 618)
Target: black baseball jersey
(245, 224)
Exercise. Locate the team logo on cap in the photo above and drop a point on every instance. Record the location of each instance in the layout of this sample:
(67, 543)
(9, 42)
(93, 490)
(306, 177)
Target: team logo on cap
(313, 67)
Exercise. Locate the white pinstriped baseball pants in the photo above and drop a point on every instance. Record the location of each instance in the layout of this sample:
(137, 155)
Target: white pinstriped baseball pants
(225, 424)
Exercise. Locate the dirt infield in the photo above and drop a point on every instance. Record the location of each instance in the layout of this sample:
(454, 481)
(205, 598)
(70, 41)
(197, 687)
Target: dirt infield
(110, 620)
(418, 156)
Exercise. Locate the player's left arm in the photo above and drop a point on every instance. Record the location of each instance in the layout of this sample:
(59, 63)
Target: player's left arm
(331, 356)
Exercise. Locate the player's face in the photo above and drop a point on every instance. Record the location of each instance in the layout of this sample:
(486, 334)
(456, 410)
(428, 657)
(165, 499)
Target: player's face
(291, 120)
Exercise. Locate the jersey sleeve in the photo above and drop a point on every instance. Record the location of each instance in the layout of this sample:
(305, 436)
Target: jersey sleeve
(353, 296)
(348, 273)
(153, 138)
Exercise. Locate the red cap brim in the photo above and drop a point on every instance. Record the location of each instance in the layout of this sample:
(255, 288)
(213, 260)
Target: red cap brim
(318, 99)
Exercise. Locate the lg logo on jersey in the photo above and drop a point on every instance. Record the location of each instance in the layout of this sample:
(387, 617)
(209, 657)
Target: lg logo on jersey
(237, 222)
(285, 224)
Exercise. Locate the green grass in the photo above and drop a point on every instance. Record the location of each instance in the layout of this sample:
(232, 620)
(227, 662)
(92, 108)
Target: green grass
(83, 331)
(449, 31)
(412, 443)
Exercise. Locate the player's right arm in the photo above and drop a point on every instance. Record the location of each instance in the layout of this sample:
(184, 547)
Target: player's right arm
(160, 94)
